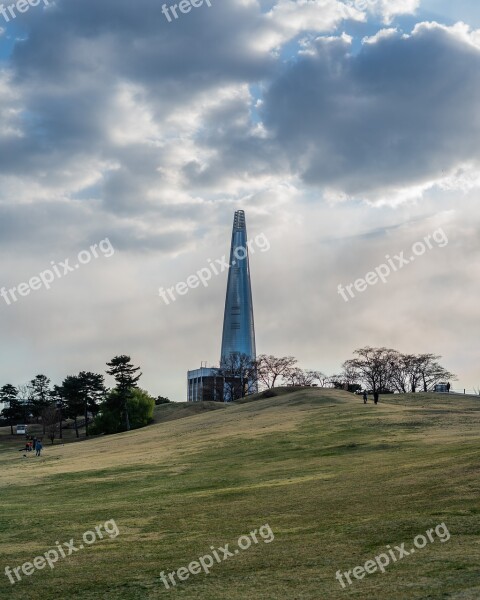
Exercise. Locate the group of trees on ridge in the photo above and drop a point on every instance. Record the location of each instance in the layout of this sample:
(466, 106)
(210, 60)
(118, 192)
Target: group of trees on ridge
(121, 408)
(374, 369)
(384, 369)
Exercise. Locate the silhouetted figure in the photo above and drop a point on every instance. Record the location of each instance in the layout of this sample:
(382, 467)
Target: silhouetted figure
(365, 397)
(38, 447)
(448, 387)
(375, 397)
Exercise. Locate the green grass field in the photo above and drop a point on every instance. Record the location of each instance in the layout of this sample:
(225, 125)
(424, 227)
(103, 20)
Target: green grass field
(334, 479)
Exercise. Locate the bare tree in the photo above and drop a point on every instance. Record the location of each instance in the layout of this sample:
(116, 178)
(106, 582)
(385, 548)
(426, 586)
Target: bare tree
(324, 380)
(336, 381)
(239, 376)
(26, 396)
(431, 372)
(402, 370)
(372, 366)
(303, 378)
(349, 377)
(383, 368)
(270, 369)
(413, 369)
(50, 420)
(407, 372)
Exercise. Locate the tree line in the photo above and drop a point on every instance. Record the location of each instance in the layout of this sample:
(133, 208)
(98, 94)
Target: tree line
(380, 370)
(387, 370)
(83, 396)
(126, 406)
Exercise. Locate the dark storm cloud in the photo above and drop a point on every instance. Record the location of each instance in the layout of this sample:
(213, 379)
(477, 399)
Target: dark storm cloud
(402, 111)
(399, 112)
(69, 72)
(122, 39)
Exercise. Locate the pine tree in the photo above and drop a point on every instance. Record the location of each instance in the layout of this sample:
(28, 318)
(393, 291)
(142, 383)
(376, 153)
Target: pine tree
(122, 369)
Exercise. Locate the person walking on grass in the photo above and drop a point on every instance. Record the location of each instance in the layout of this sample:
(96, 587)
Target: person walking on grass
(38, 447)
(365, 397)
(375, 397)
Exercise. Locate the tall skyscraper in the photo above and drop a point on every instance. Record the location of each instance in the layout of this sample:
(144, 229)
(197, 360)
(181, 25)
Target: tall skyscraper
(238, 325)
(208, 383)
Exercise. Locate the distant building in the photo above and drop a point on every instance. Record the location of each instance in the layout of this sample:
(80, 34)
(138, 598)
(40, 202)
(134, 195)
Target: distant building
(204, 384)
(238, 336)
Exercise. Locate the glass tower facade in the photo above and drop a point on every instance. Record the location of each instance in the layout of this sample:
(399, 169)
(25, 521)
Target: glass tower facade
(238, 326)
(219, 385)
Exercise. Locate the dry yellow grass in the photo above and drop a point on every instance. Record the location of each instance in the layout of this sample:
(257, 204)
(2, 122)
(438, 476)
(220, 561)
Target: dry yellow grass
(335, 479)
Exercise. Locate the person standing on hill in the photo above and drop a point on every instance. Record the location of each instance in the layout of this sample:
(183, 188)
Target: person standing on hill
(448, 387)
(375, 397)
(365, 397)
(38, 447)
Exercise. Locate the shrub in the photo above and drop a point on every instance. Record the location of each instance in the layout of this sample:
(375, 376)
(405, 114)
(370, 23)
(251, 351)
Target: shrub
(109, 420)
(162, 400)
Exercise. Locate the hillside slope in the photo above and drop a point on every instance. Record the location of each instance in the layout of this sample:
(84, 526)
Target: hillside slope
(335, 480)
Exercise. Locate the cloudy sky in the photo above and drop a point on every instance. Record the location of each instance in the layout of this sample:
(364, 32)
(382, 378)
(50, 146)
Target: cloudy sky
(347, 131)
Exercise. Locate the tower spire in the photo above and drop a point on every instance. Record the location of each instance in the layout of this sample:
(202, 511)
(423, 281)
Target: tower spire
(238, 324)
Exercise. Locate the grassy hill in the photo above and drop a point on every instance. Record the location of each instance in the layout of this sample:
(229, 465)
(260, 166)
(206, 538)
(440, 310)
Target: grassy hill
(335, 480)
(180, 410)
